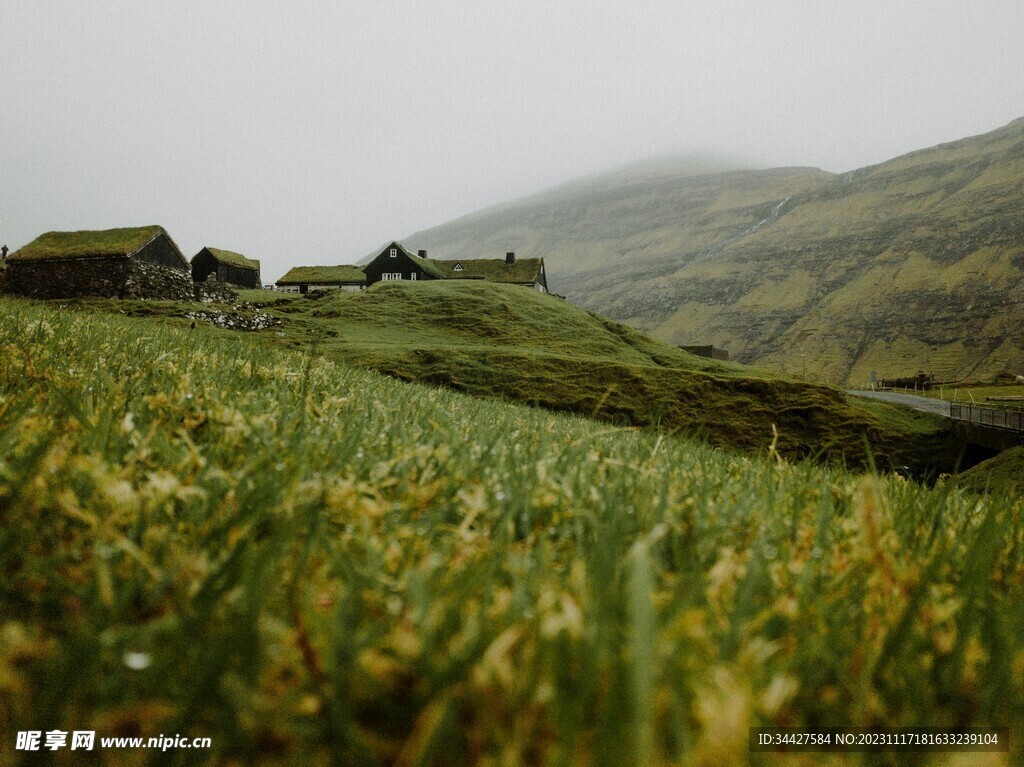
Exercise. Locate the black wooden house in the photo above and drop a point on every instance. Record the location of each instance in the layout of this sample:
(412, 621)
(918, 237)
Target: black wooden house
(397, 263)
(226, 266)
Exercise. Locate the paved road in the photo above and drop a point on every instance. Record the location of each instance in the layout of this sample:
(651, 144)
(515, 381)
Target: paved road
(927, 404)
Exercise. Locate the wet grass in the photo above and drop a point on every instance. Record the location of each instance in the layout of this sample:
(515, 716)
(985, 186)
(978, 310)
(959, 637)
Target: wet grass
(313, 564)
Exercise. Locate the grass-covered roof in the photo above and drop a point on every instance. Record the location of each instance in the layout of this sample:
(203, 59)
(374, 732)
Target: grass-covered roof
(430, 266)
(107, 242)
(523, 271)
(323, 275)
(234, 259)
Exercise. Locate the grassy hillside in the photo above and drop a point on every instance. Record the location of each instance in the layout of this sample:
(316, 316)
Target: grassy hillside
(914, 264)
(312, 564)
(1001, 475)
(523, 346)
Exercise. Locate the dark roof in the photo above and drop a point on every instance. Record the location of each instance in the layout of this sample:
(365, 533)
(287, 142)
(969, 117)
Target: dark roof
(525, 271)
(108, 242)
(323, 275)
(234, 259)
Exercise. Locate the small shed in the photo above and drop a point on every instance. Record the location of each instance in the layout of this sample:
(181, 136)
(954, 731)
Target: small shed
(226, 266)
(302, 279)
(136, 262)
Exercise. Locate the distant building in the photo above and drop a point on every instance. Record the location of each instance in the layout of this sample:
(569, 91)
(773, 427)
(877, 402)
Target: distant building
(139, 262)
(225, 266)
(707, 351)
(397, 263)
(302, 279)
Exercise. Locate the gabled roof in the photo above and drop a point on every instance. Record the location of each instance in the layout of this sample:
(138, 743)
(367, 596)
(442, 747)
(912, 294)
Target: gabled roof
(524, 271)
(426, 264)
(323, 275)
(233, 259)
(85, 244)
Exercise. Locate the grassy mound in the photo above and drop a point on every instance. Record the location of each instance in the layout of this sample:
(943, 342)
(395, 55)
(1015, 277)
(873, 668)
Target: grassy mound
(1003, 474)
(312, 564)
(508, 342)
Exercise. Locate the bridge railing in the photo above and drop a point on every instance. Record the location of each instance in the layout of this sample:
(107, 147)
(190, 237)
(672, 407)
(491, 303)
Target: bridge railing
(994, 417)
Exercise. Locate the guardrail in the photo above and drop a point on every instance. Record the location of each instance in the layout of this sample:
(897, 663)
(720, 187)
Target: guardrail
(994, 417)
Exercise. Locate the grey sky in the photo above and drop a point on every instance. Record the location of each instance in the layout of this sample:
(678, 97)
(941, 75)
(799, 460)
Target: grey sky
(307, 132)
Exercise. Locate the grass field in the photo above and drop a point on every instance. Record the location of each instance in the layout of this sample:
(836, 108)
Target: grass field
(505, 342)
(979, 394)
(313, 564)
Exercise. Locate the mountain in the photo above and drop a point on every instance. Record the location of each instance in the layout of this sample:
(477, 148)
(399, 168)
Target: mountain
(913, 264)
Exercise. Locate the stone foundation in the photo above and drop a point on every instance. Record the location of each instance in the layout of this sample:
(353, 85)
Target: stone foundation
(104, 277)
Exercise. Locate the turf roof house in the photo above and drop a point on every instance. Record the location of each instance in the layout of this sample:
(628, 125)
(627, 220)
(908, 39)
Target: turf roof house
(226, 266)
(139, 262)
(302, 279)
(396, 263)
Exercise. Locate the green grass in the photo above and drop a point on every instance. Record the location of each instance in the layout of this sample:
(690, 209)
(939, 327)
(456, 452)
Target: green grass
(979, 394)
(313, 564)
(520, 345)
(1002, 475)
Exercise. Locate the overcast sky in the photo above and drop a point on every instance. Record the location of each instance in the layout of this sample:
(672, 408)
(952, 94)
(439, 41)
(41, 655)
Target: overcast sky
(305, 132)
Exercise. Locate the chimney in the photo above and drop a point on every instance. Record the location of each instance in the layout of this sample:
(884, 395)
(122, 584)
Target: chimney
(421, 253)
(510, 258)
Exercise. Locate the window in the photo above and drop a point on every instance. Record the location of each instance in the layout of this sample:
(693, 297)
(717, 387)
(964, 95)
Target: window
(412, 276)
(394, 252)
(391, 276)
(457, 267)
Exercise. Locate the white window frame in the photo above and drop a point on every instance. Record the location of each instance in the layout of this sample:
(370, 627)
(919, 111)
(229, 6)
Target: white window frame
(412, 276)
(394, 252)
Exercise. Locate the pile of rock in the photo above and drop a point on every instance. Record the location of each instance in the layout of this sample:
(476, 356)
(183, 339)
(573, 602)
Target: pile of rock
(234, 320)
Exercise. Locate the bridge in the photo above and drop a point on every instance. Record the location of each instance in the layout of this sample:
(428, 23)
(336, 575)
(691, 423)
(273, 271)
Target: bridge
(997, 427)
(990, 416)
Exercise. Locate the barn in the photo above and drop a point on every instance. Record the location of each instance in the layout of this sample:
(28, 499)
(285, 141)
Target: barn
(137, 262)
(226, 266)
(302, 279)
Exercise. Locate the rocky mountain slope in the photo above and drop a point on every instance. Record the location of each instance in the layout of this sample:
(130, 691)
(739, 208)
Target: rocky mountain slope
(913, 264)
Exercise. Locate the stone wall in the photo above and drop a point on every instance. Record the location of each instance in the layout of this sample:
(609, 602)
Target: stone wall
(106, 277)
(146, 280)
(68, 278)
(211, 290)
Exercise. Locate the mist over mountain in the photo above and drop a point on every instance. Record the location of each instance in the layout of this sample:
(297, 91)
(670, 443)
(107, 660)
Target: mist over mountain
(912, 264)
